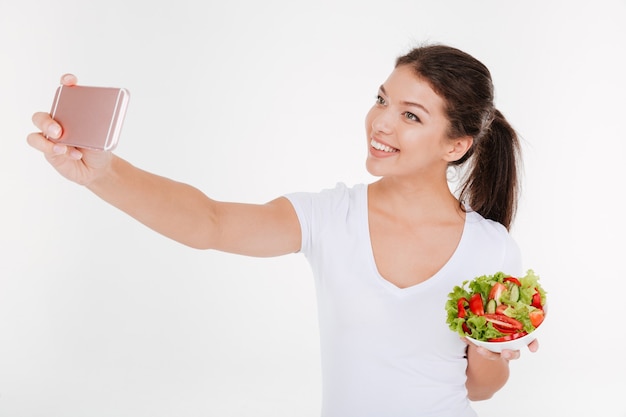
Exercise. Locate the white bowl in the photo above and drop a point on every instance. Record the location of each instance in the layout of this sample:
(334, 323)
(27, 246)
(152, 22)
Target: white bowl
(515, 344)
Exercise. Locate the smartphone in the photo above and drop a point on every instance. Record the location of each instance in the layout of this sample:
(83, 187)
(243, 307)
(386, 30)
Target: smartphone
(91, 117)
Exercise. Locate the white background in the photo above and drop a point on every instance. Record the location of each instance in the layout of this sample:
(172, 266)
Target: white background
(248, 100)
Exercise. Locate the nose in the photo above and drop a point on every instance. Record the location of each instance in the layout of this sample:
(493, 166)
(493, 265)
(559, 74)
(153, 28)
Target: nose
(381, 120)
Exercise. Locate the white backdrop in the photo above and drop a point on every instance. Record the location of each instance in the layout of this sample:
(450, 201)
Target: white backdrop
(248, 100)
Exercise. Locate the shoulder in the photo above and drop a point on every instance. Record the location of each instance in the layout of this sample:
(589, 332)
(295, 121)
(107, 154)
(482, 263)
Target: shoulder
(329, 198)
(492, 237)
(326, 210)
(489, 227)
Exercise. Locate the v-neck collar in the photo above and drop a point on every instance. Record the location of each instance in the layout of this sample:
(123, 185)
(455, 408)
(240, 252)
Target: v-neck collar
(384, 281)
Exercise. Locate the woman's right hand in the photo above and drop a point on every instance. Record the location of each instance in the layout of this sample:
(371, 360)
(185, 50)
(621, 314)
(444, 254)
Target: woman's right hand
(80, 165)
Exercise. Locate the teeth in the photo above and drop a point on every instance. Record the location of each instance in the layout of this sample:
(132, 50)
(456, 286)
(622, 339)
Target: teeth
(381, 147)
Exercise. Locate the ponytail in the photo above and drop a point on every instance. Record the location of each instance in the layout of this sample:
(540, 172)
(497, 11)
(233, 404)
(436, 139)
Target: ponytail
(491, 185)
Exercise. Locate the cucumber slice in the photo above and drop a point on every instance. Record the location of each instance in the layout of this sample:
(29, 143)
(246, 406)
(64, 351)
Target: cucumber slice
(514, 293)
(491, 306)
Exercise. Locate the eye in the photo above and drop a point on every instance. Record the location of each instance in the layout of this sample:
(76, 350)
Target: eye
(380, 100)
(411, 116)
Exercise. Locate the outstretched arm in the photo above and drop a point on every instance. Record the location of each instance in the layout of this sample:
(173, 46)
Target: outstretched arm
(176, 210)
(185, 214)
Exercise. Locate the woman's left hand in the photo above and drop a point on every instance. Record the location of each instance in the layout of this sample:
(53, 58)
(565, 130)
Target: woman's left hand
(505, 354)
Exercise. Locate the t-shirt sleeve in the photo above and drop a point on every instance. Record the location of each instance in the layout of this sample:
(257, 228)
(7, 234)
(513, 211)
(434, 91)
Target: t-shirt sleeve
(302, 204)
(495, 241)
(512, 263)
(315, 211)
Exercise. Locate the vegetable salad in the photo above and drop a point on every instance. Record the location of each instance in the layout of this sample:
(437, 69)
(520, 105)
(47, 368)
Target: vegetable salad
(497, 308)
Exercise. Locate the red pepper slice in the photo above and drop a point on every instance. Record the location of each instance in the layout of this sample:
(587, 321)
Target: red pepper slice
(503, 329)
(508, 337)
(513, 280)
(504, 322)
(476, 305)
(536, 300)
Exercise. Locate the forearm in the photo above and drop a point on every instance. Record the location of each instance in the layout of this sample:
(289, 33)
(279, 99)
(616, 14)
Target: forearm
(485, 376)
(174, 209)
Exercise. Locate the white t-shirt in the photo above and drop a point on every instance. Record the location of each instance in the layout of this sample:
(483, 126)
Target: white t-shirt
(387, 351)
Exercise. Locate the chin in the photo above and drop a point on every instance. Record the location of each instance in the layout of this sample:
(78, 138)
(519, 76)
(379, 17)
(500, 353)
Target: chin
(373, 169)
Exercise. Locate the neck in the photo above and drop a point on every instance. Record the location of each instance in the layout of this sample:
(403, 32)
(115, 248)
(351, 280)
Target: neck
(414, 199)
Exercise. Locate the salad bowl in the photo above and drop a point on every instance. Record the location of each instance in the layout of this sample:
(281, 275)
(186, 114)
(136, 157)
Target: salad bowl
(499, 311)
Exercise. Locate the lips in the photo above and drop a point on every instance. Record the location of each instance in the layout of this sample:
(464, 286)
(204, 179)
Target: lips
(382, 147)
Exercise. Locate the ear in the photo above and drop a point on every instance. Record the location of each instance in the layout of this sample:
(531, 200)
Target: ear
(458, 147)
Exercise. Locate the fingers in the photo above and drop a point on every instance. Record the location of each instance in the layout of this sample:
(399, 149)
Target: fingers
(533, 346)
(515, 354)
(510, 355)
(51, 129)
(47, 125)
(69, 79)
(44, 121)
(37, 141)
(506, 354)
(52, 149)
(487, 354)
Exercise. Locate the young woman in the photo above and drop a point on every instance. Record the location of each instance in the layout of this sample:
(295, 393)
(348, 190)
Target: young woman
(384, 255)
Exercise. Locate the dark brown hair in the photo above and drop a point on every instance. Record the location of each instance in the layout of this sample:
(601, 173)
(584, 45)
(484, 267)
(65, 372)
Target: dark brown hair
(490, 185)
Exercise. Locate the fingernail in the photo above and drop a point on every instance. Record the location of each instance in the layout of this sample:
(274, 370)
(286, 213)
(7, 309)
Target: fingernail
(76, 154)
(54, 131)
(59, 149)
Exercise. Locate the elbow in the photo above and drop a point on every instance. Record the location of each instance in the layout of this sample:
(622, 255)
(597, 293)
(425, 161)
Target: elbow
(484, 391)
(200, 242)
(197, 245)
(201, 237)
(480, 396)
(485, 377)
(193, 240)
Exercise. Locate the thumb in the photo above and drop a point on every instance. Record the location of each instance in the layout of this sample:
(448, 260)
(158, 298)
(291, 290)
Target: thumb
(69, 79)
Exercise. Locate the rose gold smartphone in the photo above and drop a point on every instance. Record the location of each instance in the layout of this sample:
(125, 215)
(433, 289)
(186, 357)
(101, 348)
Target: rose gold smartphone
(91, 117)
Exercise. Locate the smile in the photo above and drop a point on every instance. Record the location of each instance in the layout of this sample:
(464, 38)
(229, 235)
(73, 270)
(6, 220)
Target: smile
(382, 147)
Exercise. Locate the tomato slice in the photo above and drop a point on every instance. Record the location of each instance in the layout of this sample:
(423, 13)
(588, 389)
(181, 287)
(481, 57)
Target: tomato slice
(513, 280)
(476, 304)
(508, 337)
(460, 305)
(501, 308)
(496, 291)
(536, 317)
(504, 322)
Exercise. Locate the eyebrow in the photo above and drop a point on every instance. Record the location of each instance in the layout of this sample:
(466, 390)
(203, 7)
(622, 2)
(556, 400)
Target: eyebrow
(407, 103)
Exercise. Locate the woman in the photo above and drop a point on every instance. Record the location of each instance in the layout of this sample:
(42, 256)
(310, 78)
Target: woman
(384, 255)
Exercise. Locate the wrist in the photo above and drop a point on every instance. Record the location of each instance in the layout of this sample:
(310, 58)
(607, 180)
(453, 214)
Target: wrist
(104, 174)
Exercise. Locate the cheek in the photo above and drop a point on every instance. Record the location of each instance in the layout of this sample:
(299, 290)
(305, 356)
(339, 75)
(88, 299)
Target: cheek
(368, 119)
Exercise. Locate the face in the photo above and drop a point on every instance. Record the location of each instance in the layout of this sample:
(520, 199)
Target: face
(406, 128)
